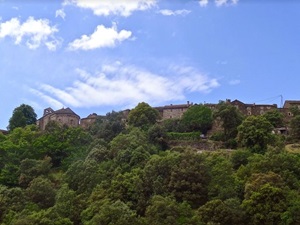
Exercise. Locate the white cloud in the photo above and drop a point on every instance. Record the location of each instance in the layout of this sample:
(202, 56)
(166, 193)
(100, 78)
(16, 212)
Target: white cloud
(36, 32)
(102, 37)
(203, 3)
(61, 13)
(225, 2)
(113, 7)
(125, 85)
(218, 3)
(49, 100)
(168, 12)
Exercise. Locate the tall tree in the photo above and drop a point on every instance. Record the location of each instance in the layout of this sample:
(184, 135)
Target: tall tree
(143, 116)
(22, 116)
(274, 117)
(255, 133)
(230, 117)
(198, 118)
(295, 127)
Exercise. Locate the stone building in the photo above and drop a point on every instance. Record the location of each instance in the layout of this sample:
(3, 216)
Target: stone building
(63, 116)
(85, 123)
(252, 109)
(173, 111)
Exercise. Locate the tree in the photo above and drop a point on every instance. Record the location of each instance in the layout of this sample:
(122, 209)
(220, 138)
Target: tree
(199, 118)
(230, 117)
(295, 127)
(166, 211)
(109, 212)
(220, 212)
(274, 117)
(22, 116)
(158, 136)
(109, 126)
(31, 168)
(41, 192)
(255, 133)
(266, 205)
(143, 116)
(222, 184)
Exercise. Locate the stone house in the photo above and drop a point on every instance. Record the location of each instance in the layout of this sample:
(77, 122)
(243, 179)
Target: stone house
(173, 111)
(85, 123)
(252, 109)
(63, 116)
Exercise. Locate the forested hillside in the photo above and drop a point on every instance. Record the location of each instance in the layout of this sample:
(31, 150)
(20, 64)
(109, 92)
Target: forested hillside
(125, 172)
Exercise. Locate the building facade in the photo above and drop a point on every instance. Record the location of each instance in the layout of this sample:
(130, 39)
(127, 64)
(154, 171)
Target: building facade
(64, 116)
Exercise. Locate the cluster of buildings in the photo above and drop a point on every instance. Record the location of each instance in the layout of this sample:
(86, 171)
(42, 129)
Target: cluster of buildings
(68, 117)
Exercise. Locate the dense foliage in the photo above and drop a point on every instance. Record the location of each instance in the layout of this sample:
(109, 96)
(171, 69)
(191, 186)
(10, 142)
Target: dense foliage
(114, 174)
(22, 116)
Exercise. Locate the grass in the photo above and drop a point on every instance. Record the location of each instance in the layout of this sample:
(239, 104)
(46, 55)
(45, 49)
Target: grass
(293, 148)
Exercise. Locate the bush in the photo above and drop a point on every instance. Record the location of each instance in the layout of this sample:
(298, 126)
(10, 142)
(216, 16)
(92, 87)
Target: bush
(183, 136)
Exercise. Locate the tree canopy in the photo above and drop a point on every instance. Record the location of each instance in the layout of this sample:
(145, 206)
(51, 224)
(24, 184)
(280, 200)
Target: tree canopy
(198, 118)
(22, 116)
(143, 116)
(138, 175)
(255, 133)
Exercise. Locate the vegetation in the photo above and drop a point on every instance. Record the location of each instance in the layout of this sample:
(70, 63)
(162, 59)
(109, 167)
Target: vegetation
(113, 174)
(22, 116)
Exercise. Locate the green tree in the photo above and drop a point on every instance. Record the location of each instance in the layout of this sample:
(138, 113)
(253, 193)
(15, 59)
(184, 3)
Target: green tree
(189, 179)
(109, 212)
(230, 118)
(22, 116)
(220, 212)
(198, 118)
(31, 168)
(108, 127)
(157, 135)
(266, 205)
(166, 211)
(274, 117)
(222, 183)
(255, 133)
(295, 127)
(41, 192)
(143, 116)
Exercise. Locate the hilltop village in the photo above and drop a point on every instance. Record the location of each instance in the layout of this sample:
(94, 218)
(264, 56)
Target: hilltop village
(69, 117)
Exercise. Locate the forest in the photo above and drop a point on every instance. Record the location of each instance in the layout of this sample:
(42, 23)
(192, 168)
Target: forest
(129, 173)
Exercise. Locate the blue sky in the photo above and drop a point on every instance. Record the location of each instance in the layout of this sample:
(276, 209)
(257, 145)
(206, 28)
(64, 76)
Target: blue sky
(103, 55)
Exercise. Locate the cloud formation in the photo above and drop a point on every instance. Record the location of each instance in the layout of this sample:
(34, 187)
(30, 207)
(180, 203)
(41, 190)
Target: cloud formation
(218, 3)
(125, 85)
(109, 7)
(225, 2)
(168, 12)
(60, 13)
(203, 3)
(102, 37)
(35, 32)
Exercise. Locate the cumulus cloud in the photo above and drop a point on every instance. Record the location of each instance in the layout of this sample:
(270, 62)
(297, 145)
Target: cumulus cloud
(35, 32)
(203, 3)
(123, 85)
(60, 13)
(225, 2)
(168, 12)
(109, 7)
(218, 3)
(102, 37)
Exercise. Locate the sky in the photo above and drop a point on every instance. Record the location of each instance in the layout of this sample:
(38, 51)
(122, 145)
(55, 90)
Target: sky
(96, 56)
